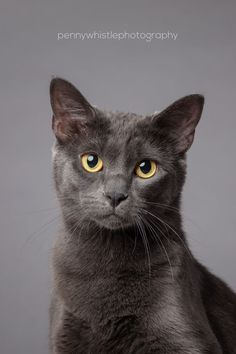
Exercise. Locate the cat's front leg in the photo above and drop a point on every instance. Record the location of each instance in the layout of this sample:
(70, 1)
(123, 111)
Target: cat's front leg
(71, 336)
(138, 343)
(138, 346)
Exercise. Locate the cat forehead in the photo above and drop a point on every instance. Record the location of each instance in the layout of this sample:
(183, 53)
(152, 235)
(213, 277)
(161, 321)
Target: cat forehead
(118, 127)
(122, 119)
(123, 125)
(122, 134)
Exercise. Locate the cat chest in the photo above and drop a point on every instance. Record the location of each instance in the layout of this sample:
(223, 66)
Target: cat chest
(100, 298)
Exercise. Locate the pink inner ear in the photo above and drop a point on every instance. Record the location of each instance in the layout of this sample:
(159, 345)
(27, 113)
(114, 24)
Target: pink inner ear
(67, 128)
(62, 128)
(184, 142)
(59, 128)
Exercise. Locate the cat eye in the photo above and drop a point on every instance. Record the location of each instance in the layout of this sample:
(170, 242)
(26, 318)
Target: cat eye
(146, 168)
(91, 163)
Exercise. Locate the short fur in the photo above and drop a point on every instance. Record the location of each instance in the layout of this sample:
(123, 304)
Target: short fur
(125, 280)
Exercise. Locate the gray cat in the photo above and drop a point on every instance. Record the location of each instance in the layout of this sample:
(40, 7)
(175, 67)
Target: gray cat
(125, 280)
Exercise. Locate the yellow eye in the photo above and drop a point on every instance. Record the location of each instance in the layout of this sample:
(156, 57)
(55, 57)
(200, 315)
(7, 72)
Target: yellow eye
(91, 163)
(146, 169)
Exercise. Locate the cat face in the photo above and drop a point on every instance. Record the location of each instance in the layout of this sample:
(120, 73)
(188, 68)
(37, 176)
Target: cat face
(115, 168)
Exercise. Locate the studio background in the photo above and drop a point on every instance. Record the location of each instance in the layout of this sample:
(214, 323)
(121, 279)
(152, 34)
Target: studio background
(129, 75)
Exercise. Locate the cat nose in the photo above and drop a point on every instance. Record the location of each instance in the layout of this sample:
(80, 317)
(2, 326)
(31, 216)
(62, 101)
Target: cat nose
(115, 198)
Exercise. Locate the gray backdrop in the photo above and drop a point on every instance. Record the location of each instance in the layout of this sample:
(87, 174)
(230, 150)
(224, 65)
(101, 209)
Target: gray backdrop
(127, 75)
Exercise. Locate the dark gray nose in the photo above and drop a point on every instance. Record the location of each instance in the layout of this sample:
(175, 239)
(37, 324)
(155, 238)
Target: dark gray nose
(116, 189)
(115, 198)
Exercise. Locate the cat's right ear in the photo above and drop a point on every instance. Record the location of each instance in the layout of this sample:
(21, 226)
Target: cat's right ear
(70, 110)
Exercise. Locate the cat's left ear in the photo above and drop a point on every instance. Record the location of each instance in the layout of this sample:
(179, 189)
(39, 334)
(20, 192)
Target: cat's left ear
(70, 109)
(179, 120)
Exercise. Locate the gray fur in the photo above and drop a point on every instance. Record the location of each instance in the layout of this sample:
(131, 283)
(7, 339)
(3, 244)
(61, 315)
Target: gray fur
(128, 283)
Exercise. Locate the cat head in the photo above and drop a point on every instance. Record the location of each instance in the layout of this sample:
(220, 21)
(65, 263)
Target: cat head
(115, 168)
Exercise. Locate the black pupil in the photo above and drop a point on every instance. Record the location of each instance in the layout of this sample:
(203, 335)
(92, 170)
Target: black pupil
(145, 166)
(92, 161)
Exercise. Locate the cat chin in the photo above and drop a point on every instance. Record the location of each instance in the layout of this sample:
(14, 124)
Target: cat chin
(113, 222)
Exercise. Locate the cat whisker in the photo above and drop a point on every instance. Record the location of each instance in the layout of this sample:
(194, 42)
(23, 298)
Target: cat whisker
(145, 242)
(135, 231)
(159, 229)
(174, 209)
(40, 230)
(158, 239)
(171, 228)
(166, 206)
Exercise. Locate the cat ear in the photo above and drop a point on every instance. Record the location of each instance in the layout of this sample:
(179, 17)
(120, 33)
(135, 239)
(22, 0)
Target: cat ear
(70, 110)
(180, 119)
